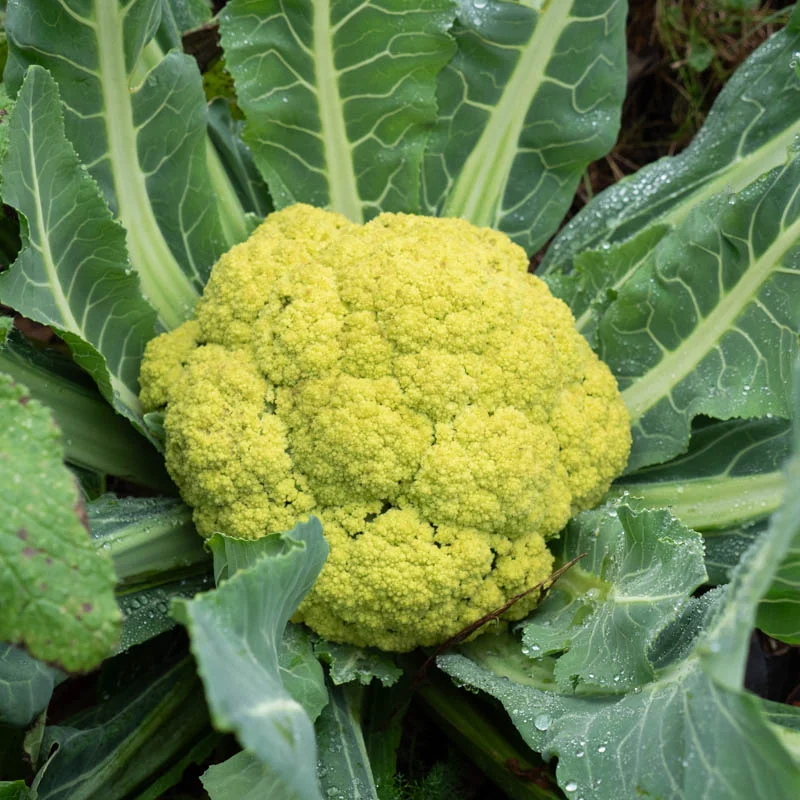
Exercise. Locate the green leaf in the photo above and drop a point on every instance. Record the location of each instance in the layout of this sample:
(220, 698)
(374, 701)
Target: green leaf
(237, 160)
(344, 770)
(235, 632)
(605, 613)
(73, 271)
(532, 95)
(138, 122)
(14, 790)
(348, 663)
(56, 590)
(693, 732)
(95, 438)
(242, 196)
(146, 612)
(26, 686)
(338, 96)
(708, 324)
(681, 737)
(598, 275)
(179, 17)
(752, 125)
(487, 741)
(779, 612)
(244, 777)
(301, 673)
(725, 548)
(116, 747)
(701, 52)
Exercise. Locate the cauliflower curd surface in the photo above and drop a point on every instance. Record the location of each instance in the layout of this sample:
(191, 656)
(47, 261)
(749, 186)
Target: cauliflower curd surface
(408, 382)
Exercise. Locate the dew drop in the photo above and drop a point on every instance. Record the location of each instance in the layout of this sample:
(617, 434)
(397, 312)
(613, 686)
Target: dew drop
(542, 722)
(570, 786)
(601, 749)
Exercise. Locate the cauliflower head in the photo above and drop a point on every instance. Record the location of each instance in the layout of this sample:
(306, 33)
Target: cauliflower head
(412, 385)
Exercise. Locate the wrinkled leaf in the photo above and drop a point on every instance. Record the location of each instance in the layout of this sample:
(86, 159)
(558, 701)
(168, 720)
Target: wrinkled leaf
(338, 97)
(56, 590)
(138, 123)
(236, 632)
(605, 613)
(532, 95)
(26, 686)
(349, 663)
(73, 272)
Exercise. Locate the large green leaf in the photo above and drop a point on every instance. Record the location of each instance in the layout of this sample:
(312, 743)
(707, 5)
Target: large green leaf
(73, 272)
(95, 438)
(604, 614)
(752, 124)
(56, 590)
(140, 132)
(236, 632)
(532, 95)
(26, 686)
(338, 96)
(709, 324)
(693, 732)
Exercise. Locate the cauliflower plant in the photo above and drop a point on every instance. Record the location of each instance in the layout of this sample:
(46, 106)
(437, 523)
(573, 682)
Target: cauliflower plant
(412, 385)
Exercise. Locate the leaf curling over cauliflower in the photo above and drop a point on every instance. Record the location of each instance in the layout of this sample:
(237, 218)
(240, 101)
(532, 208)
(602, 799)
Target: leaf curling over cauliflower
(410, 383)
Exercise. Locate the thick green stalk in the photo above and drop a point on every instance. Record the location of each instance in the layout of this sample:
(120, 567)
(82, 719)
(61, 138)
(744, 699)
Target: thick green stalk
(151, 549)
(712, 503)
(95, 437)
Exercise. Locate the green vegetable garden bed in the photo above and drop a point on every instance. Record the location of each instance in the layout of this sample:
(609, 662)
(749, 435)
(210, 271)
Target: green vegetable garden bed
(397, 400)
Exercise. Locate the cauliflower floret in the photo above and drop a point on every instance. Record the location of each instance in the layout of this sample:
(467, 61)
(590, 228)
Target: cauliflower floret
(412, 385)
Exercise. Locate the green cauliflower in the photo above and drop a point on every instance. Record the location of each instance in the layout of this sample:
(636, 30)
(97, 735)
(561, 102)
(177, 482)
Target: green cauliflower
(410, 383)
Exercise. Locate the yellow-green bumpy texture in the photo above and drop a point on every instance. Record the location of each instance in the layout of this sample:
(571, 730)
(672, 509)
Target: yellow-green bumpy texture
(412, 385)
